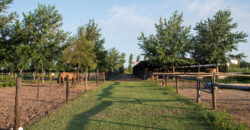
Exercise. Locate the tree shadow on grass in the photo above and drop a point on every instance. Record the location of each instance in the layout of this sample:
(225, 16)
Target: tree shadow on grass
(106, 91)
(79, 121)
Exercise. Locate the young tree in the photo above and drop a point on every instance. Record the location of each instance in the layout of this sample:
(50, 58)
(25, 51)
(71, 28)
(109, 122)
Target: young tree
(170, 44)
(130, 62)
(145, 58)
(215, 38)
(44, 31)
(93, 34)
(138, 58)
(113, 60)
(80, 51)
(122, 62)
(5, 27)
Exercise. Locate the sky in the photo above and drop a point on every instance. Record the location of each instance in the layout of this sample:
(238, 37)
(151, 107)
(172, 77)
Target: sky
(122, 21)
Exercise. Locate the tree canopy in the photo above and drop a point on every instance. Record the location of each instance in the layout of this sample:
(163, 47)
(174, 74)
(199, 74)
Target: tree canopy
(170, 44)
(215, 38)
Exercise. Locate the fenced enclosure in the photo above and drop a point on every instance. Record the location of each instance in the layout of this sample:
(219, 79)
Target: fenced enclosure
(207, 89)
(31, 96)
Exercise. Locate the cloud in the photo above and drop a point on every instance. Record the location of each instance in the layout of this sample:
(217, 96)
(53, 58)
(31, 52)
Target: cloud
(127, 19)
(205, 7)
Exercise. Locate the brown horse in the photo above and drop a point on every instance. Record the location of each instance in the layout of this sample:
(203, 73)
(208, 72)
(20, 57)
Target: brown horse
(72, 76)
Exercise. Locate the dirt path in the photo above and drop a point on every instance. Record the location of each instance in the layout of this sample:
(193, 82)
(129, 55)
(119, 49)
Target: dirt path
(236, 102)
(127, 77)
(32, 110)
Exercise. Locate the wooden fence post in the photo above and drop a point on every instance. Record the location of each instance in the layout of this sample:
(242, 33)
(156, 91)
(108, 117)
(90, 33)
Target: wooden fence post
(103, 76)
(163, 81)
(86, 81)
(177, 87)
(50, 83)
(214, 93)
(96, 75)
(166, 80)
(67, 88)
(38, 86)
(18, 101)
(156, 78)
(198, 99)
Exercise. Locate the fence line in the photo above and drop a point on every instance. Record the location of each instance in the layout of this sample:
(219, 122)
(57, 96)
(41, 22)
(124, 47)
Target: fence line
(199, 78)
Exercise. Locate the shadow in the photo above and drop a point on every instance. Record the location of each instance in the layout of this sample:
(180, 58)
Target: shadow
(126, 124)
(105, 92)
(82, 119)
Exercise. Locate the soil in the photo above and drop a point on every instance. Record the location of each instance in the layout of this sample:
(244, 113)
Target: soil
(235, 102)
(32, 109)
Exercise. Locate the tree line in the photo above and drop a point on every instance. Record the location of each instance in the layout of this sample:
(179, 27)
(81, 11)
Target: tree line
(37, 43)
(173, 44)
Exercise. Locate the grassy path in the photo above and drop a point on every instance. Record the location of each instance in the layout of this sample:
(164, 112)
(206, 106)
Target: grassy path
(126, 105)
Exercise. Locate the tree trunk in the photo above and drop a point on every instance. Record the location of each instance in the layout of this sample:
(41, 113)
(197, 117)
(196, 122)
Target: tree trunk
(217, 68)
(34, 76)
(43, 73)
(173, 68)
(21, 72)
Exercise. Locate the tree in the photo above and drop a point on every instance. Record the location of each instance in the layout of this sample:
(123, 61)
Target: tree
(5, 27)
(216, 38)
(145, 58)
(113, 60)
(20, 51)
(45, 35)
(80, 51)
(170, 45)
(93, 34)
(122, 62)
(138, 58)
(130, 62)
(238, 57)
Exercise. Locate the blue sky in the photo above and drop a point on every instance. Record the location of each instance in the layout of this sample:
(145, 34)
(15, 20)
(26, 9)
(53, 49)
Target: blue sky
(122, 21)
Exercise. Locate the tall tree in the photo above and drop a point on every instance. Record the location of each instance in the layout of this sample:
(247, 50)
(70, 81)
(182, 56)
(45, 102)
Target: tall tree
(138, 58)
(5, 27)
(93, 34)
(44, 25)
(170, 45)
(80, 51)
(122, 62)
(113, 60)
(130, 62)
(216, 38)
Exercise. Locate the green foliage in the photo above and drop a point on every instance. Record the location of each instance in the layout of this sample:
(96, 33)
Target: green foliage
(8, 84)
(235, 79)
(170, 44)
(114, 60)
(93, 34)
(122, 62)
(138, 58)
(130, 62)
(43, 26)
(5, 26)
(215, 38)
(80, 51)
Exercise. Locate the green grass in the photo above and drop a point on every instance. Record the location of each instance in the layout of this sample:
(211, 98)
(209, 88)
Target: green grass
(7, 84)
(236, 68)
(133, 105)
(234, 79)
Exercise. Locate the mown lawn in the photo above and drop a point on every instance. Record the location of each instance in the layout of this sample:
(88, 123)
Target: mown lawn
(132, 105)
